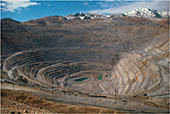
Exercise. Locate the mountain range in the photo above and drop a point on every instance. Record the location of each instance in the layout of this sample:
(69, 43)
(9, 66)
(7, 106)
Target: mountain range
(142, 12)
(55, 27)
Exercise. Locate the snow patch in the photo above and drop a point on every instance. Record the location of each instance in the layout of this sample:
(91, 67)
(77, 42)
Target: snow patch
(148, 13)
(82, 17)
(69, 17)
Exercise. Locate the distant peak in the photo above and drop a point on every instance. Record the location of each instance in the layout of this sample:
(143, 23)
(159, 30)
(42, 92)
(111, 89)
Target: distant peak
(9, 19)
(79, 14)
(83, 16)
(147, 13)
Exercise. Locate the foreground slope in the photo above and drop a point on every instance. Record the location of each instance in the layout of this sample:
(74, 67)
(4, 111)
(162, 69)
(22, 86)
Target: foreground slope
(26, 102)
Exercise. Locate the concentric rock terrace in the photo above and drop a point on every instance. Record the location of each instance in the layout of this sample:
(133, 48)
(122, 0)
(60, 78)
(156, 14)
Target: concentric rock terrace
(145, 72)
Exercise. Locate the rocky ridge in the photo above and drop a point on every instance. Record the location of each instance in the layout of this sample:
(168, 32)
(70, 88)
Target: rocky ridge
(83, 16)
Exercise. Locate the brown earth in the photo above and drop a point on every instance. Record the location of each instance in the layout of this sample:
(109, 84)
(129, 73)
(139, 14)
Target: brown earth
(13, 101)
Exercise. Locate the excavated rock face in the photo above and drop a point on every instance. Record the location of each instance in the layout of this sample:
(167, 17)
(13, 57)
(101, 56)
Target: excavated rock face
(145, 72)
(126, 55)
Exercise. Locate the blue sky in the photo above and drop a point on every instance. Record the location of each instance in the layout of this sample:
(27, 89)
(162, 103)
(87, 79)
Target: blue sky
(24, 10)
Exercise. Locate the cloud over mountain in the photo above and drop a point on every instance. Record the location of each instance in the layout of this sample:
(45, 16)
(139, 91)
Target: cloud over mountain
(153, 4)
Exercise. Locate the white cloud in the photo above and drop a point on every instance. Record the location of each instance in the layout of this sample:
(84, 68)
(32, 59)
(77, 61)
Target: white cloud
(48, 5)
(3, 4)
(86, 3)
(103, 5)
(157, 5)
(110, 4)
(11, 5)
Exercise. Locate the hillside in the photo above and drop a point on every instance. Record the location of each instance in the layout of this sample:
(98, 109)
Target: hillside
(56, 31)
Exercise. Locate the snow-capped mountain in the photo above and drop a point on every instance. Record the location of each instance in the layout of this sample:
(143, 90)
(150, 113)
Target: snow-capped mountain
(142, 12)
(147, 13)
(83, 16)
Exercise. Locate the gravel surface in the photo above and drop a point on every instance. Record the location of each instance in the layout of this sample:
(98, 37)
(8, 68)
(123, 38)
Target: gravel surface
(19, 102)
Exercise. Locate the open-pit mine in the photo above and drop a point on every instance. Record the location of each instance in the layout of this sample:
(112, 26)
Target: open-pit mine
(118, 62)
